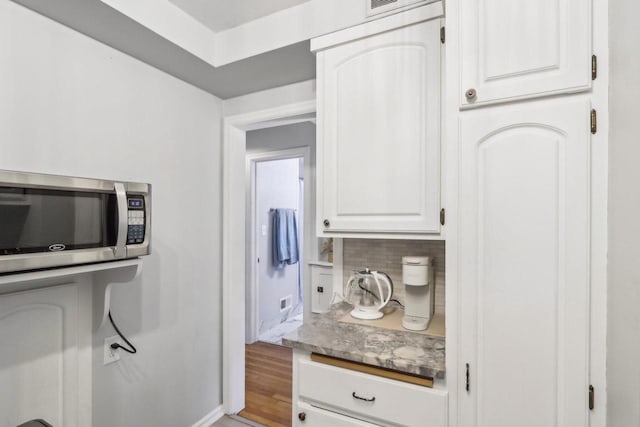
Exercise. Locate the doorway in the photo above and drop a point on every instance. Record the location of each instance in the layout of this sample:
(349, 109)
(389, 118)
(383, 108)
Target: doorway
(275, 279)
(235, 236)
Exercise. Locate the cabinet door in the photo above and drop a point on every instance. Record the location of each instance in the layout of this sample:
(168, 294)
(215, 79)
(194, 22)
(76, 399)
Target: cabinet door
(524, 257)
(379, 132)
(321, 288)
(40, 361)
(512, 49)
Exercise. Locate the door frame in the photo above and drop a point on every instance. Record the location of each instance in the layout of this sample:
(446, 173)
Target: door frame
(234, 153)
(253, 294)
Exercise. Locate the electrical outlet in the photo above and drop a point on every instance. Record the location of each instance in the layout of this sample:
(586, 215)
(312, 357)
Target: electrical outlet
(111, 355)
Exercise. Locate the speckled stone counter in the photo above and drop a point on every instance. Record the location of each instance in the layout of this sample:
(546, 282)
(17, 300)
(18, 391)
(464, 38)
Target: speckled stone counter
(401, 351)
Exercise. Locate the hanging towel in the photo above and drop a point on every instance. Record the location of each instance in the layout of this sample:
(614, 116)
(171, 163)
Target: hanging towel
(285, 237)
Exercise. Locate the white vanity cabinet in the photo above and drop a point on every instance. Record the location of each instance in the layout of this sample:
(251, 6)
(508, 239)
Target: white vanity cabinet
(378, 146)
(325, 395)
(523, 49)
(524, 239)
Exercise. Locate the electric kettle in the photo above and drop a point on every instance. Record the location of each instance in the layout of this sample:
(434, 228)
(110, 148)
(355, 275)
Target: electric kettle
(368, 291)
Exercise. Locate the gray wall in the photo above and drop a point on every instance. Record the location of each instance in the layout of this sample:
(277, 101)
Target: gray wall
(72, 106)
(623, 352)
(282, 137)
(277, 186)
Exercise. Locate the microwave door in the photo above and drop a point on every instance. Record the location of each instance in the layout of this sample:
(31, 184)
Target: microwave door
(42, 227)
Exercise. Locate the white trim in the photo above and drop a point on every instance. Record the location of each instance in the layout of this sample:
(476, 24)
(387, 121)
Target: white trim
(338, 266)
(397, 20)
(284, 122)
(233, 244)
(252, 306)
(599, 216)
(450, 137)
(210, 418)
(397, 6)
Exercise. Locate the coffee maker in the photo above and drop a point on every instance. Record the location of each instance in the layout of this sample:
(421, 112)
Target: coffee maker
(419, 285)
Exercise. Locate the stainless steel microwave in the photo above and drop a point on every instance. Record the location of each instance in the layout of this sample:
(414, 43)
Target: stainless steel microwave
(52, 221)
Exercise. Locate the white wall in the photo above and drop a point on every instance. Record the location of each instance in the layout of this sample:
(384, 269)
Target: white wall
(277, 186)
(623, 356)
(69, 105)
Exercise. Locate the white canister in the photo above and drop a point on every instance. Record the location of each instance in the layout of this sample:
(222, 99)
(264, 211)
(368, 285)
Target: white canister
(415, 270)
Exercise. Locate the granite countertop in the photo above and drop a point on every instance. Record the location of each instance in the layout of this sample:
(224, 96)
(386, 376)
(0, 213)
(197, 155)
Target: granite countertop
(398, 350)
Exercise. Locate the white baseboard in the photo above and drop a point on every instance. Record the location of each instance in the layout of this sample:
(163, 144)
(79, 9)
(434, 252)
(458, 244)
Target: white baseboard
(210, 418)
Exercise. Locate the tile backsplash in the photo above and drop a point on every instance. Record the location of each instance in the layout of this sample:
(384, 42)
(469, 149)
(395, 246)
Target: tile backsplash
(386, 255)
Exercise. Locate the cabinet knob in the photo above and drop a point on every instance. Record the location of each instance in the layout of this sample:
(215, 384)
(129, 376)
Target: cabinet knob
(471, 94)
(326, 223)
(302, 416)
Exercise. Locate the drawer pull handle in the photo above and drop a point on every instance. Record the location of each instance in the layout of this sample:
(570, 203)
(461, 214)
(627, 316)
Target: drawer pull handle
(355, 396)
(302, 416)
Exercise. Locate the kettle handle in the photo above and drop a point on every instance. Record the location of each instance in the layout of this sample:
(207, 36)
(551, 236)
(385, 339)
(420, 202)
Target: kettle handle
(346, 290)
(377, 276)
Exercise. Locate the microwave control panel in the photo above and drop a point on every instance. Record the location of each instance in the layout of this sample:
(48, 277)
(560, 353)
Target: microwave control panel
(135, 231)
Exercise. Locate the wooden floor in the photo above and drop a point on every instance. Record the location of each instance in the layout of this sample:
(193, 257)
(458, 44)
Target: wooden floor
(268, 384)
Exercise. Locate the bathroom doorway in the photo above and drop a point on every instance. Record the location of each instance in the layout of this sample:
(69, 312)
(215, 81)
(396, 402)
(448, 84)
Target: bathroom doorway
(275, 292)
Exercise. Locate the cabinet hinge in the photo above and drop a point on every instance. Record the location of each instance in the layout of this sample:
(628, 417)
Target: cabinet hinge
(594, 67)
(592, 398)
(594, 121)
(442, 215)
(443, 35)
(467, 381)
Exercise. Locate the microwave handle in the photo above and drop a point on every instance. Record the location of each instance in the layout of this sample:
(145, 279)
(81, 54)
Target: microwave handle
(120, 251)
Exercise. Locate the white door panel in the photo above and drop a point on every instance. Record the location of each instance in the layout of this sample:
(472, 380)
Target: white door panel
(524, 206)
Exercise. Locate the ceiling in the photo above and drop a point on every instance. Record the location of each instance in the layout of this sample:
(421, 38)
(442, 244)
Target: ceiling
(220, 15)
(290, 64)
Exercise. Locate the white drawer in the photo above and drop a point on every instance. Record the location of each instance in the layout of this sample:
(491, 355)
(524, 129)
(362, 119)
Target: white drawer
(315, 417)
(394, 402)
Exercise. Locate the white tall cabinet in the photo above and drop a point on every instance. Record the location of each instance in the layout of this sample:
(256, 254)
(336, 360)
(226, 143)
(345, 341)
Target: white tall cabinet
(379, 127)
(525, 206)
(523, 190)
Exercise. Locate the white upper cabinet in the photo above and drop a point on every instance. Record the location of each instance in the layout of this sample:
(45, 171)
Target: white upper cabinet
(515, 49)
(379, 132)
(524, 275)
